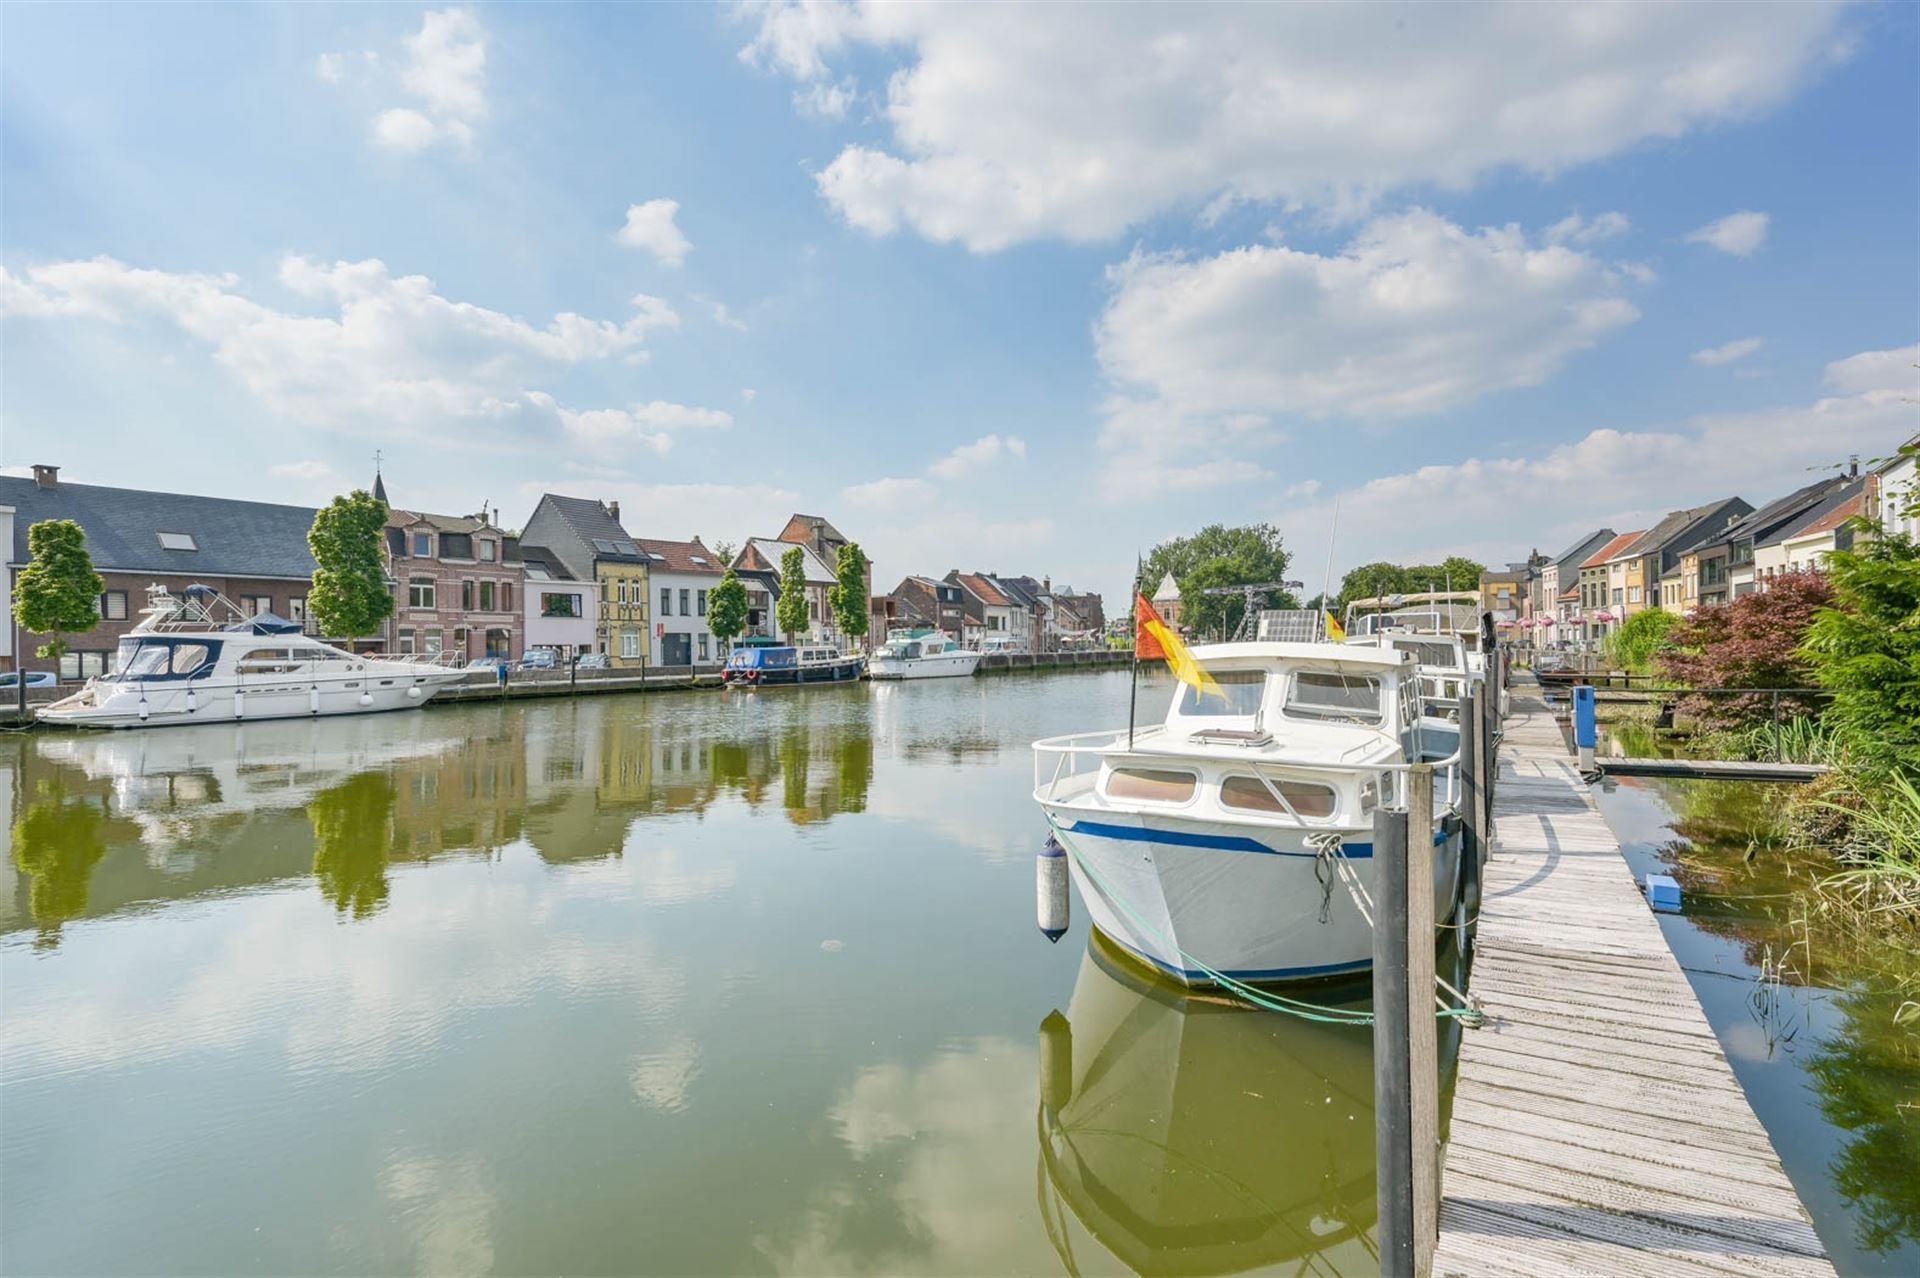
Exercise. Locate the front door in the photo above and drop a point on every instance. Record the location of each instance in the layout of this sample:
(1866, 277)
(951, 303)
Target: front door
(676, 650)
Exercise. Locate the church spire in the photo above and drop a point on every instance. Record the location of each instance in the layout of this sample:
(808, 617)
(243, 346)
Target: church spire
(379, 484)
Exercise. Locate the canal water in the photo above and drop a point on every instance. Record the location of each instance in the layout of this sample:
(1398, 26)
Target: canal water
(701, 983)
(1819, 1017)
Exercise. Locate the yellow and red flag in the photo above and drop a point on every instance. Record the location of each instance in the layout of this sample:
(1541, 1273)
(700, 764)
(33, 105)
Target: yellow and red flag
(1154, 638)
(1336, 633)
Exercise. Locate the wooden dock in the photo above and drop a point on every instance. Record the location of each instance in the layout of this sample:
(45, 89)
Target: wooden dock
(1597, 1127)
(1711, 769)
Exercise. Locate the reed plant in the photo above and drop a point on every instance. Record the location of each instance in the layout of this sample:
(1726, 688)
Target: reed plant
(1881, 843)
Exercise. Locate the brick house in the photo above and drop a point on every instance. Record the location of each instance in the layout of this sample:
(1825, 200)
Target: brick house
(758, 566)
(254, 553)
(457, 584)
(923, 603)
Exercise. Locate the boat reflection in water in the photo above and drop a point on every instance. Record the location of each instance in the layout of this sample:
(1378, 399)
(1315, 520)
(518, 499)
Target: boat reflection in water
(1185, 1133)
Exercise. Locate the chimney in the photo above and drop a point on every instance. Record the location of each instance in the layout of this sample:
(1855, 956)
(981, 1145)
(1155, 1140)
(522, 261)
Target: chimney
(613, 511)
(46, 476)
(1853, 466)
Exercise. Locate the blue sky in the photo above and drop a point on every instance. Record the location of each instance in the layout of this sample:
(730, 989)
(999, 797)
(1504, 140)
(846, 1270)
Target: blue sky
(1015, 290)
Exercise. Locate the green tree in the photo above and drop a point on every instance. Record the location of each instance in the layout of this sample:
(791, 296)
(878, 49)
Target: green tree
(1371, 581)
(791, 612)
(1219, 556)
(58, 592)
(1640, 638)
(1865, 646)
(353, 841)
(727, 608)
(849, 594)
(350, 595)
(1456, 572)
(57, 841)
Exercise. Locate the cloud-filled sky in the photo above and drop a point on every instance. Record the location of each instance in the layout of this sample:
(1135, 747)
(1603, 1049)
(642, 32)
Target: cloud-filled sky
(1021, 290)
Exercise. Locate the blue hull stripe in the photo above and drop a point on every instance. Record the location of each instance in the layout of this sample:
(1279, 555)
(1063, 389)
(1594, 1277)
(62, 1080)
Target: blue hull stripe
(1265, 974)
(1217, 842)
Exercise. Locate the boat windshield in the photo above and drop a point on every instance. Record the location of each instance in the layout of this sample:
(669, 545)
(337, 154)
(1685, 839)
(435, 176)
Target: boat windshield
(1240, 692)
(1331, 695)
(160, 658)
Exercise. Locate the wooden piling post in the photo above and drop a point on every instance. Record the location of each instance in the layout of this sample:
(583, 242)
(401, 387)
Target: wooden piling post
(1471, 832)
(1406, 1069)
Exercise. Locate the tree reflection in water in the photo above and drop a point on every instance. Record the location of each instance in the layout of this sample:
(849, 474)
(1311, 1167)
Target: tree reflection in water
(57, 841)
(353, 841)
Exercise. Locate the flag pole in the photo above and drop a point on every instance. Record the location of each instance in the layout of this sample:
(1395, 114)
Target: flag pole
(1326, 582)
(1133, 688)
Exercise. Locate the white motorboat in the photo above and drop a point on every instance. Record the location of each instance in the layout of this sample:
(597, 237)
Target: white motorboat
(1216, 843)
(921, 654)
(197, 659)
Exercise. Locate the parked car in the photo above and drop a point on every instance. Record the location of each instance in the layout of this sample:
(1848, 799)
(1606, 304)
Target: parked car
(594, 661)
(35, 679)
(538, 659)
(483, 663)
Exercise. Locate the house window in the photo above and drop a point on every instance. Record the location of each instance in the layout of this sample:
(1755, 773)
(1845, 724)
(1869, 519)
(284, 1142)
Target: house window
(486, 596)
(630, 642)
(113, 605)
(559, 605)
(406, 643)
(81, 663)
(1619, 595)
(423, 545)
(177, 541)
(460, 640)
(684, 601)
(700, 602)
(1633, 594)
(666, 602)
(703, 642)
(420, 592)
(623, 592)
(466, 596)
(488, 550)
(254, 605)
(297, 608)
(506, 596)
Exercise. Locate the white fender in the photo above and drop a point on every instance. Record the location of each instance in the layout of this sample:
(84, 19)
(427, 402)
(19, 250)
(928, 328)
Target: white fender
(313, 699)
(239, 703)
(1052, 898)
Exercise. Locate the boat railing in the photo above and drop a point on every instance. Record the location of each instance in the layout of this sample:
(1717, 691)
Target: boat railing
(446, 658)
(1069, 752)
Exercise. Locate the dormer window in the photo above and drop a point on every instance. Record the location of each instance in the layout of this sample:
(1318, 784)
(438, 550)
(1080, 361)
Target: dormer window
(177, 541)
(423, 545)
(488, 549)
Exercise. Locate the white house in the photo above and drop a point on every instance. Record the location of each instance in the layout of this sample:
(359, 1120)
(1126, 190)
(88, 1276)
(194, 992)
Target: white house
(681, 574)
(6, 580)
(762, 556)
(562, 613)
(1897, 485)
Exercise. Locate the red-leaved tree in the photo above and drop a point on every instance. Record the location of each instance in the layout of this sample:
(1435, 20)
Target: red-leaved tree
(1752, 642)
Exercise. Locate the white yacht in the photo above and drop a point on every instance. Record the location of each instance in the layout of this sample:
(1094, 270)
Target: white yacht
(197, 659)
(921, 654)
(1216, 842)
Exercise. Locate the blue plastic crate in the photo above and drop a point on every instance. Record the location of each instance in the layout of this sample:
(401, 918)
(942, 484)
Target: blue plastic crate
(1663, 893)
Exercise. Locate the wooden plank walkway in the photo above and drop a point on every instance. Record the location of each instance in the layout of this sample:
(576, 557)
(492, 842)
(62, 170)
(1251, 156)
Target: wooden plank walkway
(1597, 1128)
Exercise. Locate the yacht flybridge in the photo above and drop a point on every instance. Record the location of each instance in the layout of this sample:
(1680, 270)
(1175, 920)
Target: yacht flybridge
(1217, 842)
(196, 658)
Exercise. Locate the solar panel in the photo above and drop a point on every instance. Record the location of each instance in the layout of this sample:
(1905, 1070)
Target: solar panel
(604, 547)
(625, 548)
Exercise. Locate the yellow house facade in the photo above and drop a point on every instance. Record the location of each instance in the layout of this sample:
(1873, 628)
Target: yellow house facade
(625, 635)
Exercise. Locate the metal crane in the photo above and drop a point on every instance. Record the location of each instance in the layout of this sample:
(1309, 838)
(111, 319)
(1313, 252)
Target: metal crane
(1255, 595)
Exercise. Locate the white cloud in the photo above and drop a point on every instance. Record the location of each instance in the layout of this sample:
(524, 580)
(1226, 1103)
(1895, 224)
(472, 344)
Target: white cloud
(1304, 488)
(651, 424)
(826, 101)
(1877, 371)
(1727, 352)
(1415, 315)
(385, 351)
(1737, 233)
(983, 451)
(404, 129)
(302, 470)
(1499, 507)
(726, 318)
(1079, 123)
(1574, 229)
(650, 226)
(889, 494)
(748, 393)
(444, 71)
